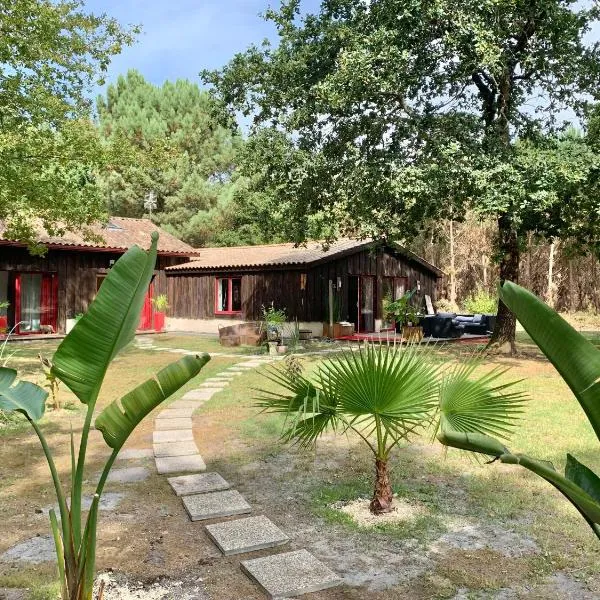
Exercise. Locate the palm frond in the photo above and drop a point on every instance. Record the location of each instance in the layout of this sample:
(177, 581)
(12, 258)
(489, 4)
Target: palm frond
(480, 404)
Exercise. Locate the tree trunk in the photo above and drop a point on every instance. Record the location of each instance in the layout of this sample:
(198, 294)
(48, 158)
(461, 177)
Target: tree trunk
(508, 245)
(550, 299)
(452, 265)
(573, 300)
(383, 495)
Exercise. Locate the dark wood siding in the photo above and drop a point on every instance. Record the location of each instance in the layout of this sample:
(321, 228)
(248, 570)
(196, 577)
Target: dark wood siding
(192, 295)
(77, 272)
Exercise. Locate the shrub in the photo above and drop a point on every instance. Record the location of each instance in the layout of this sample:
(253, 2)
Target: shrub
(481, 302)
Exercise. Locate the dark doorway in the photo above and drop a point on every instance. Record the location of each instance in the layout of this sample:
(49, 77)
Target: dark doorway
(361, 302)
(353, 301)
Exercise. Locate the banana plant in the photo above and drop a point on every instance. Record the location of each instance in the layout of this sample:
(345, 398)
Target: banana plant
(81, 362)
(578, 362)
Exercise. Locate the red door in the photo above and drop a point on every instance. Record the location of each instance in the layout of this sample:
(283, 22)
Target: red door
(147, 316)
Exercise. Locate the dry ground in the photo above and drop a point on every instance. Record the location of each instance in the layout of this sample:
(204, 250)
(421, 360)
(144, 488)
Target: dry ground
(479, 531)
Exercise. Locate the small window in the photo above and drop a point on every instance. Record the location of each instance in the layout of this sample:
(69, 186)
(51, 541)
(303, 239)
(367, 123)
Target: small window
(228, 291)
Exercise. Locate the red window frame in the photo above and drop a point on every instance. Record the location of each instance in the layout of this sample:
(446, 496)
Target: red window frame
(229, 310)
(49, 300)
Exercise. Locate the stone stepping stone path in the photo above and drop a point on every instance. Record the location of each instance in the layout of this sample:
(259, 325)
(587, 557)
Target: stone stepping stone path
(202, 483)
(290, 574)
(212, 505)
(246, 535)
(208, 496)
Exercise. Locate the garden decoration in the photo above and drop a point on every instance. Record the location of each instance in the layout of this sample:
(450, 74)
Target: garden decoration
(80, 363)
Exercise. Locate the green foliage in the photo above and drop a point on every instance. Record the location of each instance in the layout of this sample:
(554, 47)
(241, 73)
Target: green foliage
(179, 151)
(52, 54)
(81, 362)
(378, 118)
(383, 395)
(402, 310)
(481, 302)
(273, 316)
(444, 305)
(578, 363)
(161, 302)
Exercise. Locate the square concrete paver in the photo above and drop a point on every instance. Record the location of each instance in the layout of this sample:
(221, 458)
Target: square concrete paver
(178, 404)
(214, 387)
(176, 413)
(179, 464)
(171, 436)
(175, 449)
(216, 504)
(202, 483)
(246, 535)
(290, 574)
(170, 424)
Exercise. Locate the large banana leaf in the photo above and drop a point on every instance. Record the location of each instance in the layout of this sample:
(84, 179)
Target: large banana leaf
(574, 357)
(119, 419)
(24, 397)
(108, 326)
(580, 485)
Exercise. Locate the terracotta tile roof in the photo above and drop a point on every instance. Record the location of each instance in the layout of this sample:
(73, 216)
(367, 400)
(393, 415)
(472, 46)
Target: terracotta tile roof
(275, 255)
(119, 234)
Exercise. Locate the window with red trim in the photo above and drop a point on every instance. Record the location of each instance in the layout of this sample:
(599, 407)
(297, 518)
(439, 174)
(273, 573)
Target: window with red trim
(228, 295)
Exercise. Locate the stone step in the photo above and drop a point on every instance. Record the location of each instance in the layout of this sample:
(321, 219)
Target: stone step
(290, 574)
(213, 505)
(184, 404)
(173, 435)
(198, 395)
(246, 535)
(179, 464)
(201, 483)
(176, 413)
(171, 424)
(175, 449)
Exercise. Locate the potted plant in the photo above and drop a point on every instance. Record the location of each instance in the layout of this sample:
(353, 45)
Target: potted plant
(406, 316)
(273, 321)
(161, 304)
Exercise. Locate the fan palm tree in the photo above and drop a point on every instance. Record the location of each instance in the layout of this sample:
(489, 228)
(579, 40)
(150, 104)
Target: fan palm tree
(384, 394)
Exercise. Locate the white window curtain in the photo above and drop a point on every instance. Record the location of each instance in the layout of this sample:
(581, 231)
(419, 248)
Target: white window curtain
(223, 289)
(31, 292)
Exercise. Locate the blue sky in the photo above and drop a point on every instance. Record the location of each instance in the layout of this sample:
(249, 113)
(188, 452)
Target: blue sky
(182, 37)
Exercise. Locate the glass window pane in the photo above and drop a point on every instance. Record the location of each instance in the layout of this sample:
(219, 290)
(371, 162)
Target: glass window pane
(222, 295)
(236, 294)
(31, 291)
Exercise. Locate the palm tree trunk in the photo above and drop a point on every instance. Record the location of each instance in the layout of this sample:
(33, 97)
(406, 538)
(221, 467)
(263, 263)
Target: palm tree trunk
(383, 495)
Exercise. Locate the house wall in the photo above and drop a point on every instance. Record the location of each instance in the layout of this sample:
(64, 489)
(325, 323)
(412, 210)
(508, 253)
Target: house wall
(76, 272)
(192, 295)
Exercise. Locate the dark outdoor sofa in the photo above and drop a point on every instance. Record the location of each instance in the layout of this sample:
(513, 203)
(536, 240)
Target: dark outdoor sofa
(451, 325)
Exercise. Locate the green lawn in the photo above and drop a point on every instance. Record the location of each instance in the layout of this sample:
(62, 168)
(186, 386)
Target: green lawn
(302, 490)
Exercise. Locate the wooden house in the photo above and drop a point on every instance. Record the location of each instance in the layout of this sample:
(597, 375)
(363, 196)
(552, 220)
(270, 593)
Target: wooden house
(225, 286)
(43, 292)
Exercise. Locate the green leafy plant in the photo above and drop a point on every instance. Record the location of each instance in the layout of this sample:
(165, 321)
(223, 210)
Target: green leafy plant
(445, 306)
(578, 363)
(161, 302)
(481, 302)
(383, 395)
(51, 381)
(402, 311)
(81, 362)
